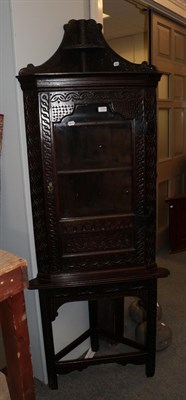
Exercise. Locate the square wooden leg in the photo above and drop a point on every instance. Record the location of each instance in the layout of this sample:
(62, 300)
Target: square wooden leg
(17, 350)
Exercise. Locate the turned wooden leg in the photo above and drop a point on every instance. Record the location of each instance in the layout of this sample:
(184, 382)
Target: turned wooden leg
(48, 339)
(93, 318)
(111, 319)
(151, 328)
(17, 350)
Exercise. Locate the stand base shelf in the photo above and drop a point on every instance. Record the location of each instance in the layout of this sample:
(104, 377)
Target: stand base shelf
(53, 298)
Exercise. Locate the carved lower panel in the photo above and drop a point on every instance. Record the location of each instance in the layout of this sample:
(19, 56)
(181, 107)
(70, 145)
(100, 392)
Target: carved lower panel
(97, 235)
(97, 242)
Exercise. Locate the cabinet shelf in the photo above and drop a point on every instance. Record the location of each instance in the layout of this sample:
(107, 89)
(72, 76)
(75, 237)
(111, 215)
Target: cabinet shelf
(94, 170)
(95, 217)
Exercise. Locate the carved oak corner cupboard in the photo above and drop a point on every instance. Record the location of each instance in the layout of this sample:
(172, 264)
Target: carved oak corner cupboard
(91, 135)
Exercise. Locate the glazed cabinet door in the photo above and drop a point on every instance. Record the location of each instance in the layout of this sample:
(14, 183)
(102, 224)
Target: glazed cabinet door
(94, 155)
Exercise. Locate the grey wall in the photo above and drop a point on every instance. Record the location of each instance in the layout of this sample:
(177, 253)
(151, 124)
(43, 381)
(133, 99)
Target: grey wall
(30, 31)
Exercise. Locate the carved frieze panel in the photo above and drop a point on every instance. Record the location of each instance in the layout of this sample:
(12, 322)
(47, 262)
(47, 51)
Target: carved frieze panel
(128, 101)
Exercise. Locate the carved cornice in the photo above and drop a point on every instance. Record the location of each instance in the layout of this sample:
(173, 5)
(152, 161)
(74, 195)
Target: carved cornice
(93, 54)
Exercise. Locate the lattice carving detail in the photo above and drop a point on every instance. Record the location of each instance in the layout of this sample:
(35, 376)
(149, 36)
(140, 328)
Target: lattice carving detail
(59, 109)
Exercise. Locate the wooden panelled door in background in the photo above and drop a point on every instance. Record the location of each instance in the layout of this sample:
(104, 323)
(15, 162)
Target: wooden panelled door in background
(169, 55)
